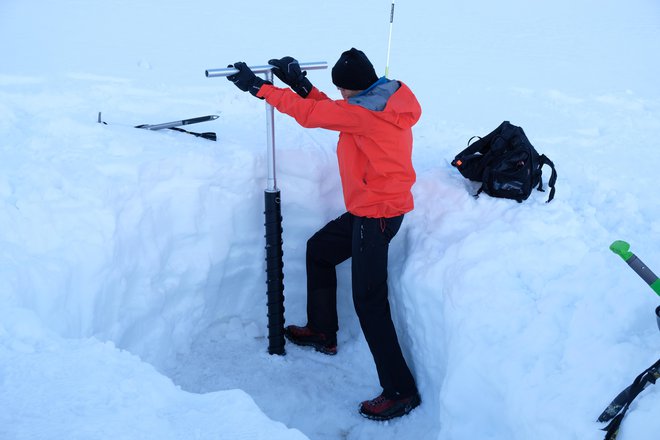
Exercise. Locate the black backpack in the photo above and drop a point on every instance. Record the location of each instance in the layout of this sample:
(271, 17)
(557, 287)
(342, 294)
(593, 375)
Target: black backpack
(506, 164)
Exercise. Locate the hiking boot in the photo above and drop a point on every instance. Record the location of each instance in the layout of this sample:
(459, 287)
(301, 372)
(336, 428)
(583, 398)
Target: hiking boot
(384, 408)
(311, 338)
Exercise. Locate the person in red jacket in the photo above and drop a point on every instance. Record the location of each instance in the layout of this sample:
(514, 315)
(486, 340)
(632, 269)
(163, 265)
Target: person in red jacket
(374, 152)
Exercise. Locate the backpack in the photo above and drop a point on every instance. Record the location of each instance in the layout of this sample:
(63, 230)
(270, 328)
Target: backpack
(506, 164)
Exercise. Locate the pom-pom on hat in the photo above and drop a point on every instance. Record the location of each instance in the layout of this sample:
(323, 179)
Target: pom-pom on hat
(353, 71)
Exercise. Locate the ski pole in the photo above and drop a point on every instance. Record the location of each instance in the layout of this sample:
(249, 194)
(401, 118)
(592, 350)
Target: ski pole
(389, 41)
(175, 126)
(178, 123)
(622, 249)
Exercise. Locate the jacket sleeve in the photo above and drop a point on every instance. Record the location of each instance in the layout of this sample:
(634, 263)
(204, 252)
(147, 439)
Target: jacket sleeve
(317, 95)
(314, 113)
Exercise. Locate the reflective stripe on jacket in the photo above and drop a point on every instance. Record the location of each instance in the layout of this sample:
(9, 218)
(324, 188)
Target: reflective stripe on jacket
(375, 146)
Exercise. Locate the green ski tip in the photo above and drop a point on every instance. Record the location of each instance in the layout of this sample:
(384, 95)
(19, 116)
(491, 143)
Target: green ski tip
(622, 249)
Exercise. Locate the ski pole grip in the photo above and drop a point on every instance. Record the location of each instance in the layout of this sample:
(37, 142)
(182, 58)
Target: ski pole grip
(213, 73)
(622, 249)
(644, 272)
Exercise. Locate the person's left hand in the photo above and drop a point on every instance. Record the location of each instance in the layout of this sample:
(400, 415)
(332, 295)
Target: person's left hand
(245, 79)
(288, 70)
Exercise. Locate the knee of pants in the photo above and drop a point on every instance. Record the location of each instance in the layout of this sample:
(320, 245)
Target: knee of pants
(370, 300)
(313, 248)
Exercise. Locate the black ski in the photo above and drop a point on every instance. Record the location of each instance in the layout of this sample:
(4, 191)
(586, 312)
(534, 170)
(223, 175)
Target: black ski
(174, 125)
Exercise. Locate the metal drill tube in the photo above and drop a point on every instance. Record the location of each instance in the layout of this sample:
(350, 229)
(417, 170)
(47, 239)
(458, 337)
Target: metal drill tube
(270, 141)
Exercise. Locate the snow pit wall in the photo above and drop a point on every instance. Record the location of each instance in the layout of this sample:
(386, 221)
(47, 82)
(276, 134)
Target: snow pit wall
(138, 237)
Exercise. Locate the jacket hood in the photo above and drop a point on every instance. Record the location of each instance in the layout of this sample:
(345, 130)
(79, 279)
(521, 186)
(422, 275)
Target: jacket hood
(392, 101)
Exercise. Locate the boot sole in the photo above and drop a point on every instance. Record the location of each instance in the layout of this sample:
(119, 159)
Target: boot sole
(318, 347)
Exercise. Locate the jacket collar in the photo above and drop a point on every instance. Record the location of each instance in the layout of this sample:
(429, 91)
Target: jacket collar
(376, 96)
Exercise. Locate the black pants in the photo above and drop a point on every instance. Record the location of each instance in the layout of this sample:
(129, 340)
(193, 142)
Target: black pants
(366, 241)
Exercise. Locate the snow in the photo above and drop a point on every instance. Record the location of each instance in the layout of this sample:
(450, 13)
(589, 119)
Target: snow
(132, 295)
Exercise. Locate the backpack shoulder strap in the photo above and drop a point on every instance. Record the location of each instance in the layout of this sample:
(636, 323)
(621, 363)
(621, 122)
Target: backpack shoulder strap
(543, 160)
(471, 149)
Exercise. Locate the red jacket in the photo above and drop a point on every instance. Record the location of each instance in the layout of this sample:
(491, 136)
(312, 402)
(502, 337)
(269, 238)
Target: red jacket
(375, 146)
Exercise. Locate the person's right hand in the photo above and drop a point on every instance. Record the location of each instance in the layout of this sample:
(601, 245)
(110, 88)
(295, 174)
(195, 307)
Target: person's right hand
(245, 79)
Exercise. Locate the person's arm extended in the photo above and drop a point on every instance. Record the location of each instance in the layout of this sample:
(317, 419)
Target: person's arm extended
(317, 112)
(317, 95)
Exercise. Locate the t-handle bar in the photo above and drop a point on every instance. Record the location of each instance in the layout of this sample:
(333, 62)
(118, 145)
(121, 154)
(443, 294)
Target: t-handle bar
(212, 73)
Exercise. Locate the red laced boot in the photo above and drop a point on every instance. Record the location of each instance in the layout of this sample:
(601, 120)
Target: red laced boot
(385, 408)
(306, 336)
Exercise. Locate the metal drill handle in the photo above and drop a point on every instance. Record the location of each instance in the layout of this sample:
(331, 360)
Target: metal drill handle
(213, 73)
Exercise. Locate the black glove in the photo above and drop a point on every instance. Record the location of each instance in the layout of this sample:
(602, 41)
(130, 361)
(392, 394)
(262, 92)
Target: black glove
(288, 71)
(245, 79)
